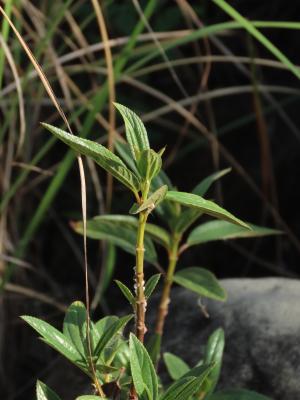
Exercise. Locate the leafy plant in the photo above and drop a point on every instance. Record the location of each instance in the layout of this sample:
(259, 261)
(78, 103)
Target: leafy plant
(99, 348)
(178, 213)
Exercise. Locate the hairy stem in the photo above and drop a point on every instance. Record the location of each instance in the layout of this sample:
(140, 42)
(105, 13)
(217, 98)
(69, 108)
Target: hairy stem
(139, 278)
(165, 297)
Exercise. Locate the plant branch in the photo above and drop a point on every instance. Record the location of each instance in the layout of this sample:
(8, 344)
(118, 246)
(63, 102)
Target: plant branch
(139, 278)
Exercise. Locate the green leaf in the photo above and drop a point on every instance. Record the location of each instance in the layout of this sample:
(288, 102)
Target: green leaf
(188, 385)
(206, 206)
(188, 217)
(206, 183)
(201, 281)
(149, 164)
(119, 235)
(110, 333)
(74, 326)
(175, 365)
(151, 285)
(222, 230)
(136, 133)
(151, 202)
(126, 292)
(100, 154)
(167, 210)
(238, 394)
(54, 338)
(158, 234)
(90, 397)
(213, 355)
(123, 149)
(142, 370)
(43, 392)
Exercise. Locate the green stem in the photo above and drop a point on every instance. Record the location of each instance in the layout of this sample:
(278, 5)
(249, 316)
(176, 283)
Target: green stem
(139, 278)
(163, 307)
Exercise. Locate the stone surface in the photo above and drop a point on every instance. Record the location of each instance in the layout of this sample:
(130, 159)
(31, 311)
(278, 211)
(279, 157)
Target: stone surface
(261, 319)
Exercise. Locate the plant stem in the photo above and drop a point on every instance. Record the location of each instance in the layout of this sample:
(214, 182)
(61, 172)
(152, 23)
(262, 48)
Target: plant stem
(165, 297)
(139, 278)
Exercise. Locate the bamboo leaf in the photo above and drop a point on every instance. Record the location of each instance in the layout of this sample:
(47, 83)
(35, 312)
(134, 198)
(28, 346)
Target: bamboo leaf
(175, 365)
(151, 285)
(201, 281)
(206, 206)
(100, 154)
(223, 230)
(136, 133)
(151, 202)
(43, 392)
(142, 370)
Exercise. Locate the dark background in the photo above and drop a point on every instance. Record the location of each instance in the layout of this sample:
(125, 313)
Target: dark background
(271, 151)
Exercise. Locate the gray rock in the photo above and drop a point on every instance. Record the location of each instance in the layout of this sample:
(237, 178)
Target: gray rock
(261, 319)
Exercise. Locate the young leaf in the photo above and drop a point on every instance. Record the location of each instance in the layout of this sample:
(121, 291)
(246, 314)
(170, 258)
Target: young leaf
(126, 292)
(142, 370)
(206, 183)
(43, 392)
(54, 338)
(120, 235)
(222, 230)
(206, 206)
(151, 202)
(74, 326)
(151, 285)
(201, 281)
(213, 355)
(175, 365)
(238, 394)
(123, 150)
(149, 164)
(110, 334)
(136, 133)
(100, 154)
